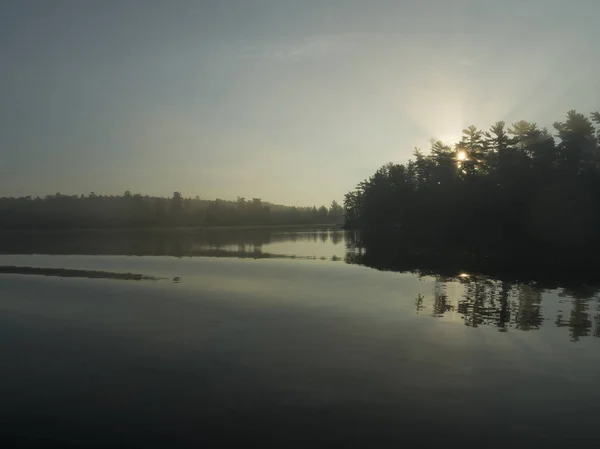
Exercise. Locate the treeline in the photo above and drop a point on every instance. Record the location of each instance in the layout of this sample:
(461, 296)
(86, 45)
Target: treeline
(141, 211)
(495, 193)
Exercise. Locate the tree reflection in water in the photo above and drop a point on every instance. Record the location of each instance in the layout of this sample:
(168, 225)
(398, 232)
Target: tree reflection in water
(499, 298)
(509, 296)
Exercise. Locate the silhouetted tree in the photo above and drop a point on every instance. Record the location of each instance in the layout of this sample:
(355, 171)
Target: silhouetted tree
(176, 208)
(494, 194)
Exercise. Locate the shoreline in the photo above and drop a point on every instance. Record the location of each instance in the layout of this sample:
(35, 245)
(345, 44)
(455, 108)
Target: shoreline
(174, 228)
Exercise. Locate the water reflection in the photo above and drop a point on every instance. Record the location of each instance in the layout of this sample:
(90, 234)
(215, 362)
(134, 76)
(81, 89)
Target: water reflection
(483, 301)
(505, 299)
(304, 243)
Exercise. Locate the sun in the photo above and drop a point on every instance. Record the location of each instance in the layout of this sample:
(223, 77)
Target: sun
(461, 155)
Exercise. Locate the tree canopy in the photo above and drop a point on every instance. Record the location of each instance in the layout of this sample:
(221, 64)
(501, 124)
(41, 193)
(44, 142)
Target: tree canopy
(506, 189)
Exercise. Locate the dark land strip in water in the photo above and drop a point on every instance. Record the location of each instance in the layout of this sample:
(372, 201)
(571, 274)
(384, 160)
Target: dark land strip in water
(64, 272)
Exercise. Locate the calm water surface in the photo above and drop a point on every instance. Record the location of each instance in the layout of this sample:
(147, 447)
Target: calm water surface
(271, 336)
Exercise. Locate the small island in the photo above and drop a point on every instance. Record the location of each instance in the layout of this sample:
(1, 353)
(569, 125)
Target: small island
(516, 197)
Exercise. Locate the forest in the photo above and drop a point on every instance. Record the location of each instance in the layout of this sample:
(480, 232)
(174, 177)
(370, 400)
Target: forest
(497, 194)
(139, 211)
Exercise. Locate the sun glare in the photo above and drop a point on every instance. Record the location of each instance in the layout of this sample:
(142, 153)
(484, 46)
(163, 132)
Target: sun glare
(461, 156)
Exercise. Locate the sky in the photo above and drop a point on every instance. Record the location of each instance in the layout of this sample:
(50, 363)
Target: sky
(291, 101)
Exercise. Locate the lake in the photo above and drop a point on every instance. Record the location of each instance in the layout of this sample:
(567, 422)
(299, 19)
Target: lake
(281, 337)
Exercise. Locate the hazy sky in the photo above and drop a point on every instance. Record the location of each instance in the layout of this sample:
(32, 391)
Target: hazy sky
(294, 101)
